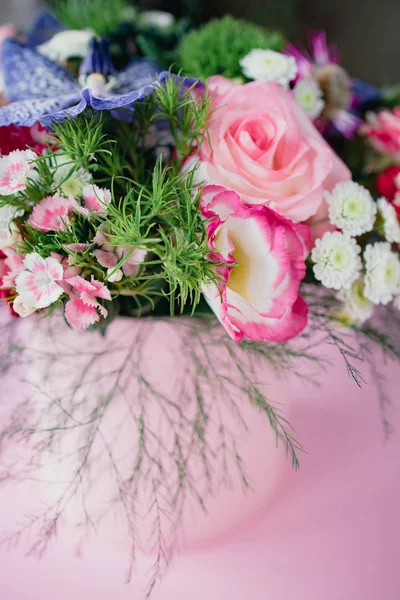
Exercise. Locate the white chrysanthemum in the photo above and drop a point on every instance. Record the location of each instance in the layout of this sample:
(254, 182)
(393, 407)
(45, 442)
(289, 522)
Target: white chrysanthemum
(351, 208)
(267, 65)
(390, 222)
(382, 278)
(67, 181)
(357, 308)
(67, 44)
(159, 19)
(309, 95)
(337, 261)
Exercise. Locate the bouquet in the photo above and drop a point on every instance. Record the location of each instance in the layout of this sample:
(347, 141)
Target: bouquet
(216, 178)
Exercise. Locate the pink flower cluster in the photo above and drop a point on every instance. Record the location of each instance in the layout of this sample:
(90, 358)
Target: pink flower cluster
(31, 282)
(39, 282)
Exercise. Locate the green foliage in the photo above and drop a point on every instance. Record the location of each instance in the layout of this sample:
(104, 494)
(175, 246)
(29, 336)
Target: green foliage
(164, 219)
(102, 16)
(217, 47)
(154, 208)
(82, 139)
(160, 45)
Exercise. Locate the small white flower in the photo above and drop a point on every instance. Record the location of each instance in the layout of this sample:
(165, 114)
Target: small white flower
(9, 232)
(267, 65)
(382, 278)
(309, 95)
(337, 261)
(22, 309)
(15, 169)
(159, 19)
(351, 208)
(391, 226)
(67, 181)
(357, 308)
(116, 276)
(72, 43)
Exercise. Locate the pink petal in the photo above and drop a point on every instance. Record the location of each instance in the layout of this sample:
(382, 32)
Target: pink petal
(106, 258)
(102, 291)
(96, 198)
(54, 269)
(78, 247)
(51, 214)
(79, 315)
(81, 285)
(34, 262)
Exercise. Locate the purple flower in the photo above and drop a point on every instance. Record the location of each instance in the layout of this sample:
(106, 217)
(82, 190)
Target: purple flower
(42, 90)
(323, 66)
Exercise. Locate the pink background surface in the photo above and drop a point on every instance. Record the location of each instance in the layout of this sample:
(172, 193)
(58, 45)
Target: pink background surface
(328, 532)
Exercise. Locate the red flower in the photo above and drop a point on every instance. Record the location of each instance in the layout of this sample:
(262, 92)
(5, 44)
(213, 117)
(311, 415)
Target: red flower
(14, 137)
(388, 184)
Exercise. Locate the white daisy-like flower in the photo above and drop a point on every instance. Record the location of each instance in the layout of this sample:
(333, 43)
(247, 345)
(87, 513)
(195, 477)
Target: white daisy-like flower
(15, 170)
(351, 208)
(337, 261)
(72, 43)
(67, 181)
(159, 19)
(382, 278)
(267, 65)
(357, 308)
(309, 95)
(390, 222)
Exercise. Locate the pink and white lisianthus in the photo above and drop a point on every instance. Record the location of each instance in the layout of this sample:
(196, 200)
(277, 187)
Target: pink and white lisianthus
(83, 309)
(262, 145)
(52, 214)
(15, 169)
(96, 198)
(38, 284)
(263, 262)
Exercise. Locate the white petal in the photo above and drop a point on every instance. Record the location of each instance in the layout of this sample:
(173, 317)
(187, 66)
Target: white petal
(34, 262)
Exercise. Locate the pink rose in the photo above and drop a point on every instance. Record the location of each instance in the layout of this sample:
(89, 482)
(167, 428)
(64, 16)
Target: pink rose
(258, 298)
(383, 130)
(263, 146)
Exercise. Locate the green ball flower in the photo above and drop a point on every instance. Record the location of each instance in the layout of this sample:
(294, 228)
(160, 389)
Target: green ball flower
(217, 47)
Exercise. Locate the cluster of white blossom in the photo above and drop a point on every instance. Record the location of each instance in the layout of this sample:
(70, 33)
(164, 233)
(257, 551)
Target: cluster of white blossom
(268, 65)
(364, 273)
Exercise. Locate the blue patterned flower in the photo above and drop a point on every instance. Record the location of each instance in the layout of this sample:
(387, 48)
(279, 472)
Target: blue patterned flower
(40, 89)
